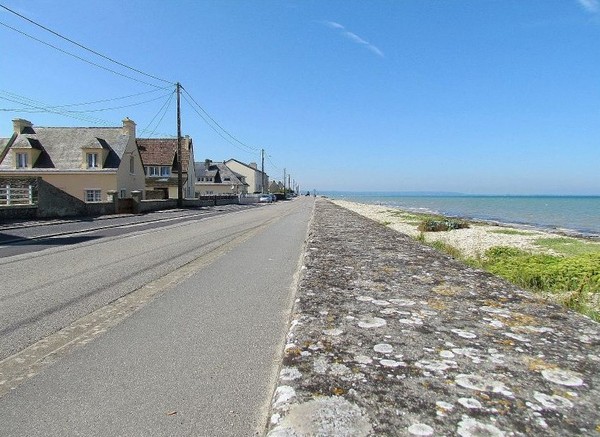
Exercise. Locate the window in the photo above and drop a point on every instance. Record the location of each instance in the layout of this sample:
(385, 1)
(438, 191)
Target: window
(21, 160)
(155, 171)
(92, 160)
(122, 194)
(131, 165)
(93, 195)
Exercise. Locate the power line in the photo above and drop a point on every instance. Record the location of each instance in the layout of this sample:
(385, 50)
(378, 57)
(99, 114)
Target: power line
(215, 122)
(26, 102)
(214, 128)
(269, 159)
(92, 110)
(111, 99)
(123, 106)
(162, 109)
(84, 47)
(78, 57)
(93, 102)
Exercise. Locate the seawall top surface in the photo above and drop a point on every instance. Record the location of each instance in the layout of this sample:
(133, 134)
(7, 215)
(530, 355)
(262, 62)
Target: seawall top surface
(390, 337)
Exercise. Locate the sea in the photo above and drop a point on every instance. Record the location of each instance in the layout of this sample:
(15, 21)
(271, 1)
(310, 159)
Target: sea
(571, 215)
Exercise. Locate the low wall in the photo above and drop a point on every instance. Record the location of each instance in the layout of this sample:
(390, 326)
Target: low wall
(155, 205)
(98, 209)
(18, 212)
(219, 200)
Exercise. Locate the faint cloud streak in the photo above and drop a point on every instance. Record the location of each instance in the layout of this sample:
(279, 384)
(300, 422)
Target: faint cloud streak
(592, 6)
(354, 37)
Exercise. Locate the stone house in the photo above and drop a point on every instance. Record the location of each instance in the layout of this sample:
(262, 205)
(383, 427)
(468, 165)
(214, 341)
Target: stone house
(159, 156)
(88, 163)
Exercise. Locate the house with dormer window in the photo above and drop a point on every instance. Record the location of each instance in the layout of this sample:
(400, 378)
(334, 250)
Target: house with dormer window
(88, 163)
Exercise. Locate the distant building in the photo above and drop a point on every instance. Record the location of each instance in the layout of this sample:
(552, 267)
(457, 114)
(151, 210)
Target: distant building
(159, 156)
(213, 178)
(255, 178)
(276, 187)
(85, 162)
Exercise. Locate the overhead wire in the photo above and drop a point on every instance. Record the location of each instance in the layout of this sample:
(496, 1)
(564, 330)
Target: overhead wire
(78, 57)
(269, 159)
(111, 99)
(222, 132)
(123, 106)
(88, 110)
(162, 109)
(84, 47)
(214, 128)
(36, 105)
(255, 149)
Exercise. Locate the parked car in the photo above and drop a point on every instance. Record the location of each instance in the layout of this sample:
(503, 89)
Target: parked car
(265, 198)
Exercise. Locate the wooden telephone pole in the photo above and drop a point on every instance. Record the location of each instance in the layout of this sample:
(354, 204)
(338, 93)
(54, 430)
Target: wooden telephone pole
(262, 156)
(179, 170)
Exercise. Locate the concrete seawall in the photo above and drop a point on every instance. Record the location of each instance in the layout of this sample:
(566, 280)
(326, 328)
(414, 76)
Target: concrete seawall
(389, 337)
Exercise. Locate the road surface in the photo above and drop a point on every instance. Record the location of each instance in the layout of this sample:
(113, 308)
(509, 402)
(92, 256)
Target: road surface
(176, 330)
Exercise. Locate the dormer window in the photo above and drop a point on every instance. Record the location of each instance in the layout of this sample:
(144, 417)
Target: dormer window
(92, 160)
(21, 160)
(156, 171)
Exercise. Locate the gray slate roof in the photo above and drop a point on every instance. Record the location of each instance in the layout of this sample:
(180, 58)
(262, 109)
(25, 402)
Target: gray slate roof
(62, 146)
(219, 171)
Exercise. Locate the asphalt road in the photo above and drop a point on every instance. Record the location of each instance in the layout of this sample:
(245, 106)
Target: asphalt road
(176, 330)
(31, 236)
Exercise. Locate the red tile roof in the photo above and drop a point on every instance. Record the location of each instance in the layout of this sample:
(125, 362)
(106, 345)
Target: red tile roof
(162, 151)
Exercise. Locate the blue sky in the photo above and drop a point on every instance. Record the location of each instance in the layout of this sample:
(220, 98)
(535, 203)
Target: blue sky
(474, 96)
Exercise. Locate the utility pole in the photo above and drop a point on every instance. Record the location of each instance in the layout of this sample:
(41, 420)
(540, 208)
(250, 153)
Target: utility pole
(262, 157)
(289, 182)
(284, 183)
(179, 171)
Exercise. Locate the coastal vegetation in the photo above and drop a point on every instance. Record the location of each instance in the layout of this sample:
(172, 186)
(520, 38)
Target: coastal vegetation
(569, 275)
(441, 224)
(572, 280)
(563, 269)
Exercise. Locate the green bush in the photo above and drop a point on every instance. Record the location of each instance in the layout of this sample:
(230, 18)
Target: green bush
(443, 224)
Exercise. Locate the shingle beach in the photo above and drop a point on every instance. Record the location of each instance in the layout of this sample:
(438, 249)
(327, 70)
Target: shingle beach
(471, 242)
(390, 337)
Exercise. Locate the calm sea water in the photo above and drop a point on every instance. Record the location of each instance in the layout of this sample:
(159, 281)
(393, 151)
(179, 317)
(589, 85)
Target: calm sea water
(575, 214)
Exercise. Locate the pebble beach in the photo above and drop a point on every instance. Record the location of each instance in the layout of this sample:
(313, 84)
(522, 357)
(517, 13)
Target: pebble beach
(471, 242)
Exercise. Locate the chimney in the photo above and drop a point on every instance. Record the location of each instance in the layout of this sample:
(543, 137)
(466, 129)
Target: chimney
(253, 165)
(19, 125)
(128, 127)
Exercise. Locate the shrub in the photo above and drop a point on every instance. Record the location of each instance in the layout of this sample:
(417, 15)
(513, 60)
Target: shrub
(443, 224)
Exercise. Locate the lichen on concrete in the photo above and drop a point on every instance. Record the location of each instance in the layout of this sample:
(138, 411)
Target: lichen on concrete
(390, 337)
